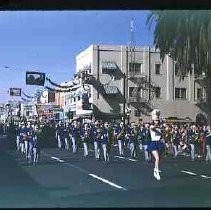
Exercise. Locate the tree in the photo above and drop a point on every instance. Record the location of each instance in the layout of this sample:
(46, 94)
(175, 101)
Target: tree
(186, 36)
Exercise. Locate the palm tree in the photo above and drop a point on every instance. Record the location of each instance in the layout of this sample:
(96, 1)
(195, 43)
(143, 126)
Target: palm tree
(186, 36)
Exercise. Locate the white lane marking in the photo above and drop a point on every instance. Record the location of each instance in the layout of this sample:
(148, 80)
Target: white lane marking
(206, 177)
(191, 173)
(107, 182)
(55, 158)
(126, 158)
(188, 172)
(131, 159)
(93, 175)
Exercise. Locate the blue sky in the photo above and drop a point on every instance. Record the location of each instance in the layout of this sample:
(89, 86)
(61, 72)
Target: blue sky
(48, 41)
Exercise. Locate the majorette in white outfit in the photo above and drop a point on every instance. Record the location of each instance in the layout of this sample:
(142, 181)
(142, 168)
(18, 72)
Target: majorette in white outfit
(155, 146)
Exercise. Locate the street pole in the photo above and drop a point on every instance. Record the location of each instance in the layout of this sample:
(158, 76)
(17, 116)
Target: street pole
(124, 99)
(128, 119)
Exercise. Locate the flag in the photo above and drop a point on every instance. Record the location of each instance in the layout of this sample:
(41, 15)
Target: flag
(132, 25)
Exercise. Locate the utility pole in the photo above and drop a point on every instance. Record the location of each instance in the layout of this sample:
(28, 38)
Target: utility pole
(124, 99)
(132, 58)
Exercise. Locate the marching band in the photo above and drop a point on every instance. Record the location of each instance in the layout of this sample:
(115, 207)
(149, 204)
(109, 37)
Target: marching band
(148, 139)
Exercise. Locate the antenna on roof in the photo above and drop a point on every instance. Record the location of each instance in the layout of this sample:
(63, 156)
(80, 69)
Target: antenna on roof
(132, 32)
(132, 44)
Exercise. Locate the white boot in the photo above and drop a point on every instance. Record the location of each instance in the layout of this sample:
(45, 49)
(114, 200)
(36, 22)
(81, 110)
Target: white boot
(156, 173)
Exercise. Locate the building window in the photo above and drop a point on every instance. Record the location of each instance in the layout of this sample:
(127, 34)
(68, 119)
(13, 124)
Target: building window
(138, 91)
(74, 99)
(157, 68)
(108, 66)
(199, 93)
(157, 92)
(136, 68)
(180, 93)
(79, 98)
(90, 95)
(176, 69)
(137, 113)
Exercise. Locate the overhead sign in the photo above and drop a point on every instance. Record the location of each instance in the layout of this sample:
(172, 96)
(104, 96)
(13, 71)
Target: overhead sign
(15, 91)
(35, 78)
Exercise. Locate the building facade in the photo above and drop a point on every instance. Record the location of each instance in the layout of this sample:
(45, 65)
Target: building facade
(149, 83)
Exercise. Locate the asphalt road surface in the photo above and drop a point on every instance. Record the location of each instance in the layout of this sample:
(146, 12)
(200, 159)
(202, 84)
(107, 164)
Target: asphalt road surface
(64, 179)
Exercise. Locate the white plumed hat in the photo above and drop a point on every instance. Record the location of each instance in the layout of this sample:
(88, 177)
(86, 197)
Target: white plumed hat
(155, 114)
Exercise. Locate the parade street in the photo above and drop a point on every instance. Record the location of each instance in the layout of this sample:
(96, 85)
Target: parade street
(64, 179)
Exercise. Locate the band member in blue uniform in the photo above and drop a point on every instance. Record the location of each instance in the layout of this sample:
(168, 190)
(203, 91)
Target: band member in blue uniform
(75, 135)
(104, 141)
(192, 140)
(66, 137)
(96, 136)
(58, 131)
(176, 141)
(23, 135)
(110, 142)
(30, 136)
(85, 137)
(18, 129)
(145, 139)
(35, 153)
(120, 135)
(208, 144)
(62, 135)
(132, 136)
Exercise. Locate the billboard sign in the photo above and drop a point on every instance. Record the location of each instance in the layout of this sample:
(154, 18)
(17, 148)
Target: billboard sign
(15, 91)
(35, 78)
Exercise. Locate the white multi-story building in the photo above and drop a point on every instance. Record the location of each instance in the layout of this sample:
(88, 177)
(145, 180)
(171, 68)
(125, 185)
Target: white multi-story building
(149, 83)
(73, 98)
